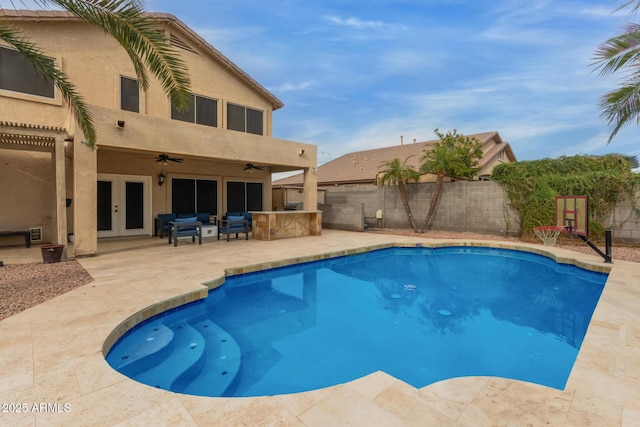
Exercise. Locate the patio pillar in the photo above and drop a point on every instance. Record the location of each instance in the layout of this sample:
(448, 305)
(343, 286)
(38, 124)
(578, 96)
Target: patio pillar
(85, 199)
(60, 205)
(310, 189)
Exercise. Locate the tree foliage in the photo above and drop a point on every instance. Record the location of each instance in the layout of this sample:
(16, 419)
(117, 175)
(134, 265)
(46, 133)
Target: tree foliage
(531, 187)
(398, 172)
(453, 155)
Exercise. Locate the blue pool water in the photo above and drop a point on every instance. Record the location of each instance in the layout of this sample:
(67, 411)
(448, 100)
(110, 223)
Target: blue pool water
(419, 314)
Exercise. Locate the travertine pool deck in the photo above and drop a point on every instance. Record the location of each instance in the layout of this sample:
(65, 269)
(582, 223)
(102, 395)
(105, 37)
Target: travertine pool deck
(53, 353)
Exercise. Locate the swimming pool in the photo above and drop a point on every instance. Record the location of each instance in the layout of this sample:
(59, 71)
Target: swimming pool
(419, 314)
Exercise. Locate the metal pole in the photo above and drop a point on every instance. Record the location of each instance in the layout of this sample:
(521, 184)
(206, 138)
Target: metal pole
(607, 245)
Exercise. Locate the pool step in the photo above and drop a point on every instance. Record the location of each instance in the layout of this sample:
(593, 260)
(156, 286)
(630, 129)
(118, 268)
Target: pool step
(187, 349)
(218, 367)
(154, 345)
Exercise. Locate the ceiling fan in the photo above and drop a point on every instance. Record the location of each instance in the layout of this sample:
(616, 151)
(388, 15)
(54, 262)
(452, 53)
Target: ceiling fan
(165, 158)
(251, 166)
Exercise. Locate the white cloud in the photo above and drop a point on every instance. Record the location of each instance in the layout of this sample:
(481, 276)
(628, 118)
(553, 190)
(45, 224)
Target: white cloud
(291, 87)
(356, 23)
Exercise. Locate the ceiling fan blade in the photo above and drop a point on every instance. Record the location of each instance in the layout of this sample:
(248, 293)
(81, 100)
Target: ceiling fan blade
(251, 166)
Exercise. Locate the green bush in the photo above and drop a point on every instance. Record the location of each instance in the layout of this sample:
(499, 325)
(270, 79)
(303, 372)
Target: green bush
(531, 187)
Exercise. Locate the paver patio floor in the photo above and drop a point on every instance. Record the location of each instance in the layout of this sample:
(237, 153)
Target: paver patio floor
(53, 353)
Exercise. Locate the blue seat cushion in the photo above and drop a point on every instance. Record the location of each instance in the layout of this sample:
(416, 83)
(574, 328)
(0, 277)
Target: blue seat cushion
(166, 218)
(179, 221)
(240, 226)
(203, 217)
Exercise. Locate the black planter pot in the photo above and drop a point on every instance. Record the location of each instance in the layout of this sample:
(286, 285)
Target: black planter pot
(51, 253)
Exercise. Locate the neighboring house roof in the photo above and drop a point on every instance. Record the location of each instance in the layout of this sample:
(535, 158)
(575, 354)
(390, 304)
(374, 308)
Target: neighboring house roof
(362, 167)
(12, 14)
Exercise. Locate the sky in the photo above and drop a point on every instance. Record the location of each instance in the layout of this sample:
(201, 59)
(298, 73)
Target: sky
(358, 74)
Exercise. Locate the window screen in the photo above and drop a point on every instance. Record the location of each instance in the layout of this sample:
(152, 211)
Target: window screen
(183, 196)
(254, 121)
(18, 75)
(207, 196)
(186, 115)
(129, 95)
(235, 117)
(244, 196)
(194, 195)
(203, 111)
(244, 119)
(206, 111)
(254, 196)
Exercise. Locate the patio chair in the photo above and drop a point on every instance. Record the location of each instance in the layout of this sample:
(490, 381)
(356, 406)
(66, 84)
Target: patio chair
(182, 227)
(233, 225)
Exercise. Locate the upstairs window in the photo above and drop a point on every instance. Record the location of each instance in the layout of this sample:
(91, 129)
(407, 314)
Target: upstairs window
(203, 111)
(18, 75)
(244, 119)
(129, 95)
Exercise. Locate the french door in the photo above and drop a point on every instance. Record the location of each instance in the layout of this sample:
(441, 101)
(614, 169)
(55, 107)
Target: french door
(124, 205)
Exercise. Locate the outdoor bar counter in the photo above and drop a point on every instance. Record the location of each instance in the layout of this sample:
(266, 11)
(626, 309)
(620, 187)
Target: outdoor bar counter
(272, 225)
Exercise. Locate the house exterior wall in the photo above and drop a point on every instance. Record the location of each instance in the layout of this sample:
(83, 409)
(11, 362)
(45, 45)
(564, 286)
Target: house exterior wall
(21, 210)
(95, 63)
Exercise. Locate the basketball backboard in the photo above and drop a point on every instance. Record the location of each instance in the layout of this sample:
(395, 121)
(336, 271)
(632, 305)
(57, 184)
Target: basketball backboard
(571, 211)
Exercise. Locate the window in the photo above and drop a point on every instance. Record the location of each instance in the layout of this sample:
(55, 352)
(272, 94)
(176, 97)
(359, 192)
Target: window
(203, 111)
(244, 196)
(129, 95)
(244, 119)
(18, 75)
(194, 195)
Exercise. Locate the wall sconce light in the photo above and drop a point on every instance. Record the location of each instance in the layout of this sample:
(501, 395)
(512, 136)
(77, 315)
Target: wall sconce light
(301, 152)
(120, 123)
(161, 179)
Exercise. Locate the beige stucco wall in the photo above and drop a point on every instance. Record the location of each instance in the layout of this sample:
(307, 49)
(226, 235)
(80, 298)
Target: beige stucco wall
(94, 64)
(19, 209)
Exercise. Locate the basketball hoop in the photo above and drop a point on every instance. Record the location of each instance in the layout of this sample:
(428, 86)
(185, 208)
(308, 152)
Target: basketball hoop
(548, 234)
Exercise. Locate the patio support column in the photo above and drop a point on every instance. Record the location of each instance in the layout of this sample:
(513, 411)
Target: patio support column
(85, 200)
(310, 189)
(60, 205)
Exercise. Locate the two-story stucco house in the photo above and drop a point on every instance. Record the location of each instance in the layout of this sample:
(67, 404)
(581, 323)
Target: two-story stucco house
(151, 158)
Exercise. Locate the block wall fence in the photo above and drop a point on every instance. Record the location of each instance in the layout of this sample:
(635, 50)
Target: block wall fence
(473, 206)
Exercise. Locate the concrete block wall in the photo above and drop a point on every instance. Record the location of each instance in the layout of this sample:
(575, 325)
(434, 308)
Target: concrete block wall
(625, 224)
(476, 206)
(342, 216)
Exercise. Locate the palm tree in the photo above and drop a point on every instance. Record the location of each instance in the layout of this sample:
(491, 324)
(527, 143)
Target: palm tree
(139, 36)
(398, 172)
(621, 106)
(453, 155)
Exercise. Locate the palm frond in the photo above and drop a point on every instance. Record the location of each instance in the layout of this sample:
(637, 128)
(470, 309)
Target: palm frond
(142, 38)
(621, 106)
(46, 68)
(633, 10)
(619, 51)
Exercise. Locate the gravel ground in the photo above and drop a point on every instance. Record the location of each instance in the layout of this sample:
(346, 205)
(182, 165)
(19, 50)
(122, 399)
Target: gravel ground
(24, 285)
